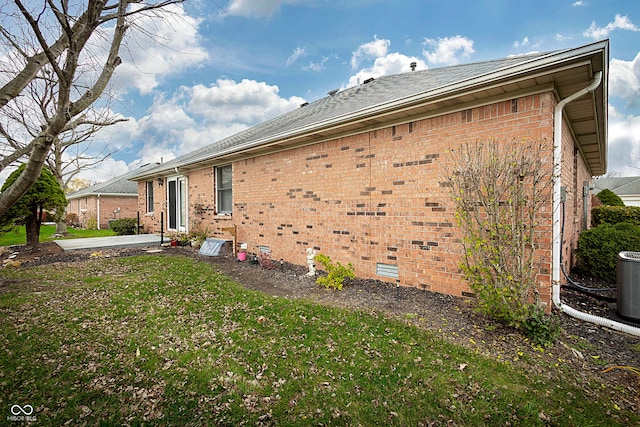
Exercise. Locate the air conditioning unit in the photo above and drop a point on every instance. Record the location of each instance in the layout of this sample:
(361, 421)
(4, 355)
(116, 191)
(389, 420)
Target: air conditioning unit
(628, 288)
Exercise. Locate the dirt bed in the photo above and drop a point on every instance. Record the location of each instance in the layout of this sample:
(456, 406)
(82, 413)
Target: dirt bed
(584, 348)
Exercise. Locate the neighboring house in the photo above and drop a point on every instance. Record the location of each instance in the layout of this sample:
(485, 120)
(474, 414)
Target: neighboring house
(113, 199)
(628, 188)
(357, 175)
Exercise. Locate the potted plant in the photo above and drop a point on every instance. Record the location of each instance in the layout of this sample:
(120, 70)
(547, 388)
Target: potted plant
(198, 237)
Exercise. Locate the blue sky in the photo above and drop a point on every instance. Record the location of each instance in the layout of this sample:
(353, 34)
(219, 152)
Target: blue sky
(214, 68)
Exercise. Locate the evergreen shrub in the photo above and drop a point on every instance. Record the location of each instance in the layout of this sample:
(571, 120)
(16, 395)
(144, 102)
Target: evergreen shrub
(614, 214)
(598, 248)
(124, 226)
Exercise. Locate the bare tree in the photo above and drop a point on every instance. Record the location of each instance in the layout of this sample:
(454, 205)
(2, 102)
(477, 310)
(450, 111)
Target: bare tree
(80, 141)
(75, 149)
(499, 190)
(47, 43)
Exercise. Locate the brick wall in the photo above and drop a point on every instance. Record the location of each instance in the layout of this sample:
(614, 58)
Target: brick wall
(375, 197)
(87, 207)
(150, 221)
(109, 209)
(574, 175)
(202, 207)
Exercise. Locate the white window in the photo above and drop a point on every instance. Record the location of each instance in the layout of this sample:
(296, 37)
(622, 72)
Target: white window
(149, 185)
(224, 189)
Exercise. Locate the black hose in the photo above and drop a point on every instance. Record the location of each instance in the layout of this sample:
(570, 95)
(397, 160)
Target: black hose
(588, 291)
(575, 285)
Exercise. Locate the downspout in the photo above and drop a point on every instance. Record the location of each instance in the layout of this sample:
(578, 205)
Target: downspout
(98, 209)
(557, 243)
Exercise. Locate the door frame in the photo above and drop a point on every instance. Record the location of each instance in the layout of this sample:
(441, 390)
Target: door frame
(177, 204)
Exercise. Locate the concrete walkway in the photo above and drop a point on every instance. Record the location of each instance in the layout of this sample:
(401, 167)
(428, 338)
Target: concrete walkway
(110, 242)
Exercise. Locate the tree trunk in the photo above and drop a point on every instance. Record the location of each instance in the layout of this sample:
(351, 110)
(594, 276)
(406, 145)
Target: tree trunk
(32, 226)
(61, 227)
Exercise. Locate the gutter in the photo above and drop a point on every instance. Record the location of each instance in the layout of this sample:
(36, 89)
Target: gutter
(557, 243)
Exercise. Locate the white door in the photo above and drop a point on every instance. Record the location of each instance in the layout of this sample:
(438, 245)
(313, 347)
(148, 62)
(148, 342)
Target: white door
(177, 204)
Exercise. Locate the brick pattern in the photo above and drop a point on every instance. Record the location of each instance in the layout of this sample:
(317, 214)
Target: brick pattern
(374, 197)
(87, 207)
(574, 173)
(151, 220)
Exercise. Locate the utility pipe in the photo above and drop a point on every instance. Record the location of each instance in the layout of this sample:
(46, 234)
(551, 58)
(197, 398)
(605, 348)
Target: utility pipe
(557, 243)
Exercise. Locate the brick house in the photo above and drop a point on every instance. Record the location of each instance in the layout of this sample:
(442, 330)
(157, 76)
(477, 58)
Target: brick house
(113, 199)
(357, 175)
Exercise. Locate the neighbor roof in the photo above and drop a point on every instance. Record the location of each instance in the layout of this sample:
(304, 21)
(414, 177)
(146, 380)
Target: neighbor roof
(622, 186)
(403, 97)
(118, 186)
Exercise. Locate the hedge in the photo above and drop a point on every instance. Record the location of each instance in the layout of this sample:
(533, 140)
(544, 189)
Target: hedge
(598, 248)
(124, 226)
(614, 214)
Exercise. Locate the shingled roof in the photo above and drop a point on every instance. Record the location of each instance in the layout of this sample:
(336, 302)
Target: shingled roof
(622, 186)
(118, 186)
(400, 97)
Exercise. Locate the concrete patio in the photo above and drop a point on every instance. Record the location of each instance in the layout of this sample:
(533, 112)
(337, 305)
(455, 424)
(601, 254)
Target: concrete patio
(110, 242)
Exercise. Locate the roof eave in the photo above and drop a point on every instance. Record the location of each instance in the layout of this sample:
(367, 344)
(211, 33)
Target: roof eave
(80, 196)
(364, 116)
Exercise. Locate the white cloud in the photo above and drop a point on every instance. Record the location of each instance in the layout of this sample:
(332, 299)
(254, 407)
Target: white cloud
(104, 171)
(4, 174)
(248, 102)
(448, 50)
(190, 118)
(373, 49)
(521, 43)
(579, 3)
(624, 80)
(560, 38)
(318, 66)
(255, 8)
(297, 53)
(619, 23)
(624, 144)
(200, 115)
(384, 63)
(158, 44)
(393, 63)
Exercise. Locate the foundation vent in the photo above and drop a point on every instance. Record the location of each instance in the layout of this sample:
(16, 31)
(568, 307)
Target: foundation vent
(387, 270)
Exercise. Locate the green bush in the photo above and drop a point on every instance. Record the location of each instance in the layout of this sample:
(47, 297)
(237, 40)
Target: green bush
(124, 226)
(609, 198)
(540, 328)
(614, 214)
(92, 223)
(336, 273)
(598, 248)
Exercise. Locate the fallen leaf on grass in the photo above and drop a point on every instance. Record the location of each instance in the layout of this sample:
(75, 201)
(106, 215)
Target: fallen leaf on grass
(544, 417)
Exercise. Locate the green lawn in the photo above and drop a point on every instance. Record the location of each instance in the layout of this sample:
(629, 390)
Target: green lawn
(17, 236)
(166, 340)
